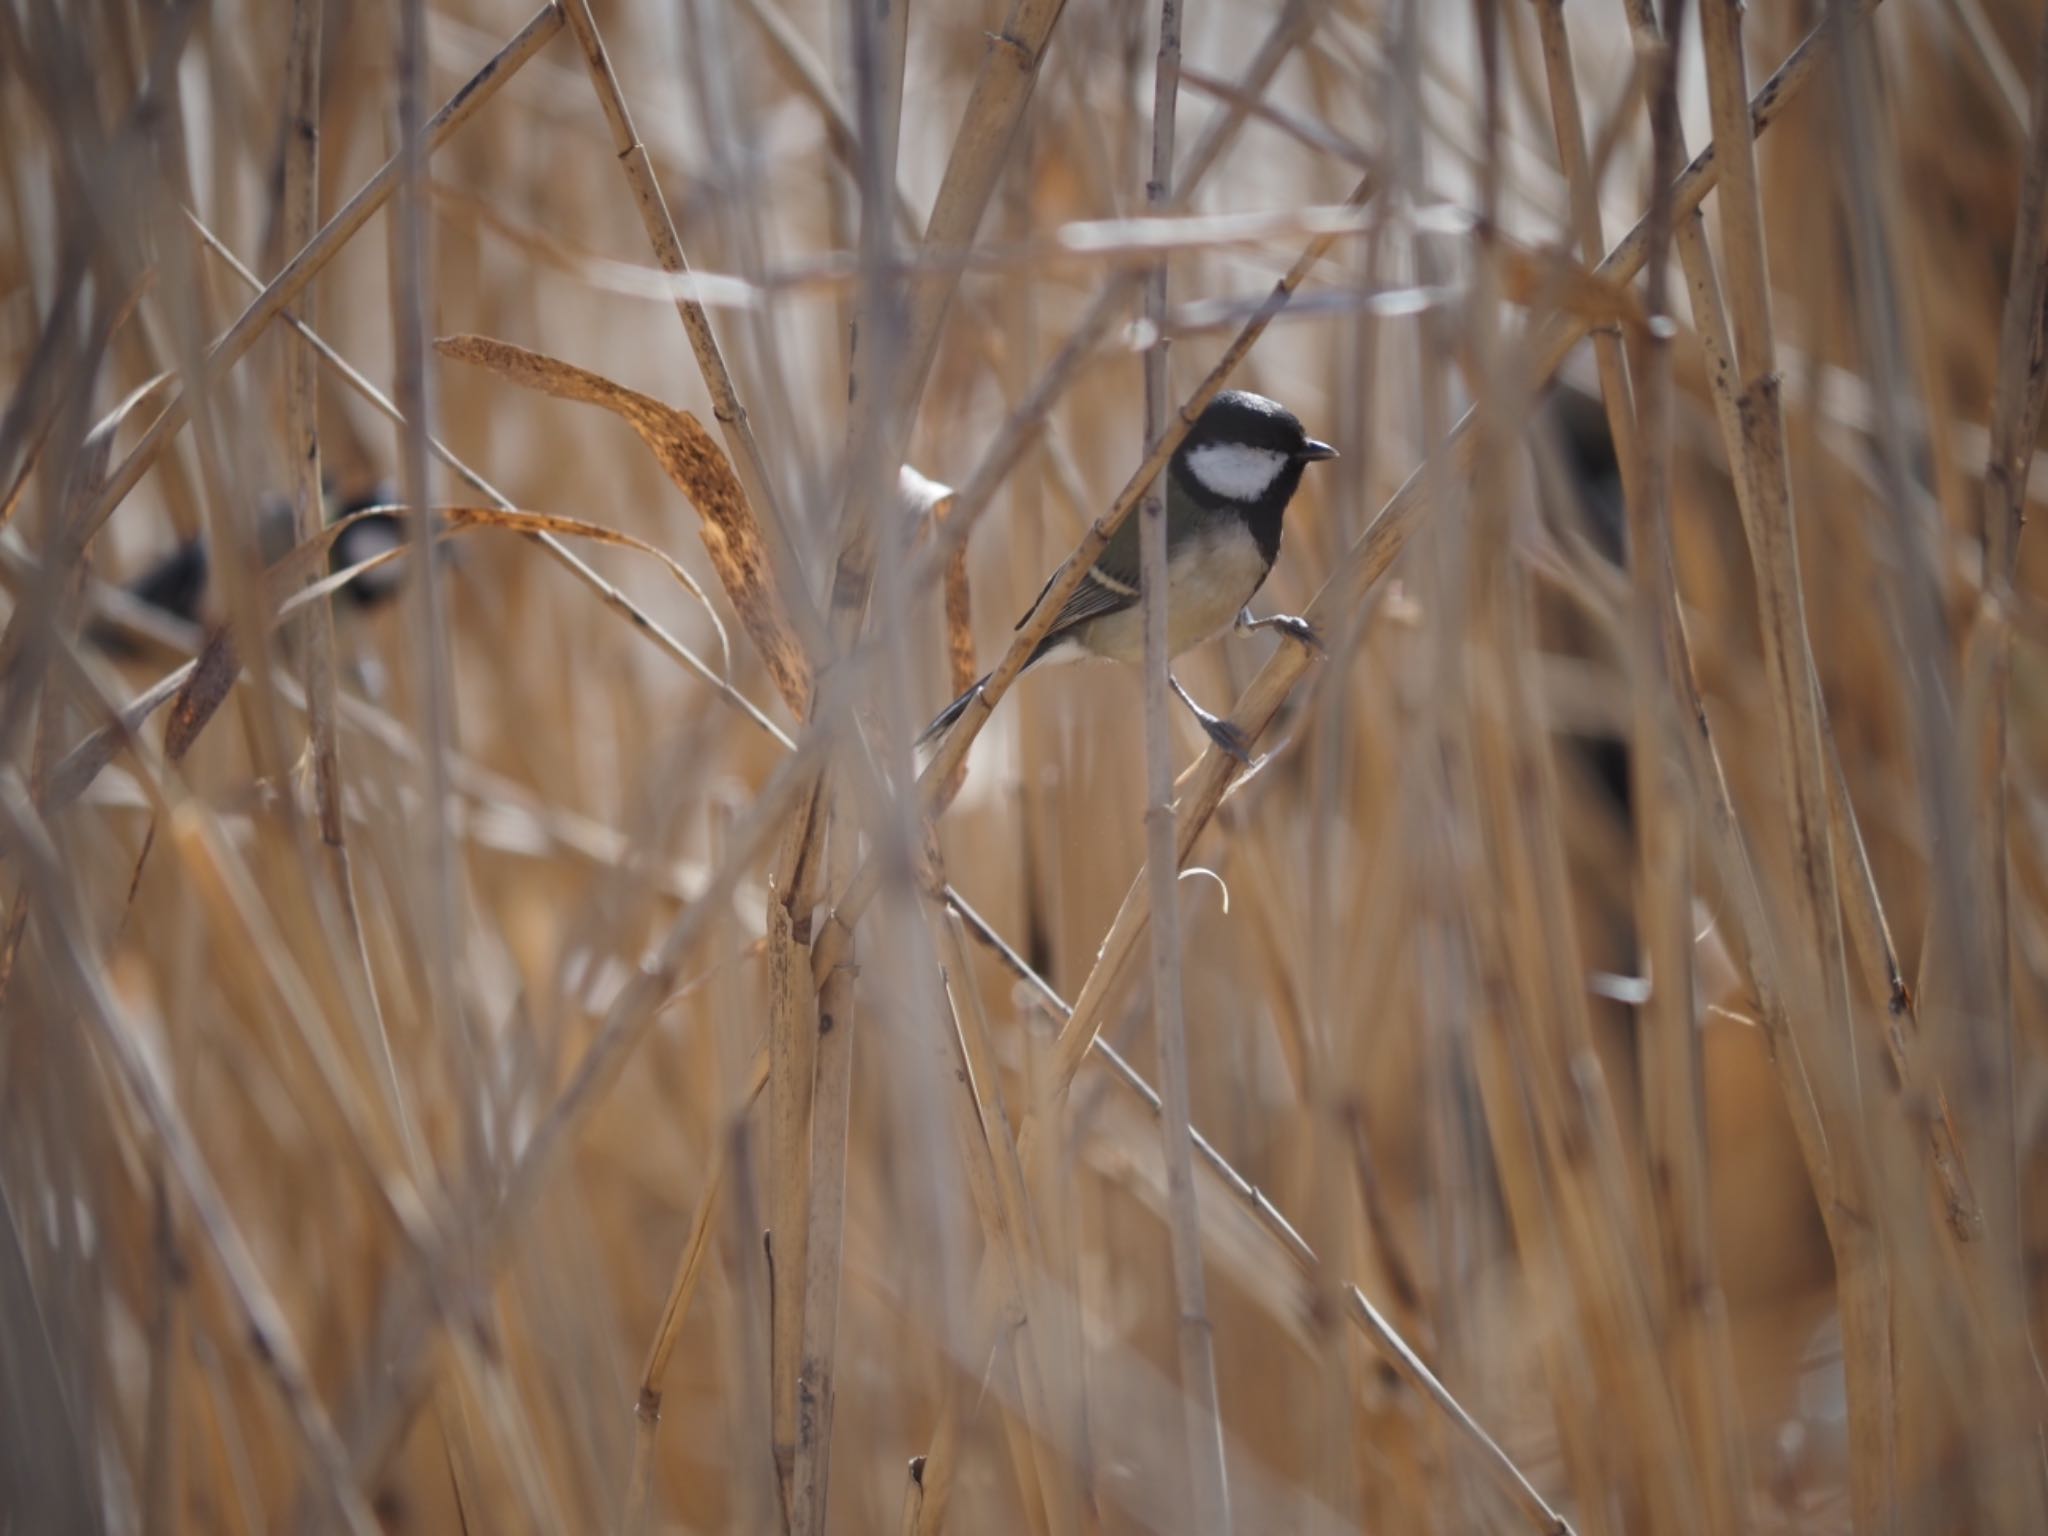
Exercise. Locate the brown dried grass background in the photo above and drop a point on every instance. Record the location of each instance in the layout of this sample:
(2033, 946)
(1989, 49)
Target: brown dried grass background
(352, 1182)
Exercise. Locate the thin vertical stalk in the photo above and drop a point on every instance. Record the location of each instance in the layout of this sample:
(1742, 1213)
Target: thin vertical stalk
(410, 302)
(824, 1253)
(467, 101)
(1674, 1120)
(1208, 1478)
(314, 631)
(800, 613)
(1989, 1075)
(682, 1288)
(1659, 676)
(301, 403)
(1863, 1278)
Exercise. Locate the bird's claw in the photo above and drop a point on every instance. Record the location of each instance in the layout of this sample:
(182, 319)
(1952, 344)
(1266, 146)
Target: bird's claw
(1297, 629)
(1302, 633)
(1229, 740)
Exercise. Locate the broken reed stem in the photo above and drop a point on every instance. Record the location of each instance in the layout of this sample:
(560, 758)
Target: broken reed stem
(1693, 1315)
(1208, 1475)
(316, 253)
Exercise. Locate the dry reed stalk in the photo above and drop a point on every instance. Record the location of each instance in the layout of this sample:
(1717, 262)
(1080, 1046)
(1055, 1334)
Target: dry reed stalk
(467, 1258)
(440, 915)
(272, 1345)
(1208, 1476)
(1963, 976)
(1520, 872)
(610, 595)
(890, 369)
(815, 1367)
(1663, 882)
(1015, 1298)
(1384, 1339)
(1912, 1090)
(302, 416)
(313, 634)
(1055, 1223)
(1693, 1310)
(2008, 1480)
(1863, 1279)
(944, 771)
(809, 72)
(1024, 423)
(758, 489)
(674, 1309)
(734, 539)
(1866, 922)
(891, 362)
(317, 252)
(1370, 556)
(981, 149)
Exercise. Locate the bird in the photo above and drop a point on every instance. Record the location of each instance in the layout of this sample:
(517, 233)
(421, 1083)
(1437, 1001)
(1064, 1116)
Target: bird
(176, 584)
(1227, 490)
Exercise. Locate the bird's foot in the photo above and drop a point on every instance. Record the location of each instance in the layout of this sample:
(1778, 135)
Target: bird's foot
(1229, 740)
(1299, 630)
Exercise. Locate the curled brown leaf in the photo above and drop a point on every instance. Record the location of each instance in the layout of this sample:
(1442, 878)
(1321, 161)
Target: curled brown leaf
(700, 470)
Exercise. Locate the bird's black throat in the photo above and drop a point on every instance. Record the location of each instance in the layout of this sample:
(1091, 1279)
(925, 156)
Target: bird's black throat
(1262, 515)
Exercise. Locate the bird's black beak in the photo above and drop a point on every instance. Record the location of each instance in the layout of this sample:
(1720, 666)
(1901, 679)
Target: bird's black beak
(1313, 450)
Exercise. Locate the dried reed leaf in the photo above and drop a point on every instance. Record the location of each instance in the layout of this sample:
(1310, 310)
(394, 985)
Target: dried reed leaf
(281, 580)
(205, 689)
(700, 470)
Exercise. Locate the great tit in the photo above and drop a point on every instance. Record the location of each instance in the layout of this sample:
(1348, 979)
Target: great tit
(1227, 489)
(177, 583)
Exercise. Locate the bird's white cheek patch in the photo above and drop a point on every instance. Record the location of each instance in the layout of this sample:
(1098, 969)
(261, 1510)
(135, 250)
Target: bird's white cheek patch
(1235, 471)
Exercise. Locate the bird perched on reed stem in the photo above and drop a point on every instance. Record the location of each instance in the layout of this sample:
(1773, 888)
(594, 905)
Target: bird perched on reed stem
(1227, 490)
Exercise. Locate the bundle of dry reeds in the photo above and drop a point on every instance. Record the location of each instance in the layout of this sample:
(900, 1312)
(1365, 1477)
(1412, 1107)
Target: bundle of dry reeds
(543, 1053)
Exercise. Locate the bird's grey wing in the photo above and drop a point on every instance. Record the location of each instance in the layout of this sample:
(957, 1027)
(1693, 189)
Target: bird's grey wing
(1110, 586)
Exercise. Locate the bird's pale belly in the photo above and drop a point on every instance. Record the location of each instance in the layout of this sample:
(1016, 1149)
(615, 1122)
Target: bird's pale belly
(1210, 582)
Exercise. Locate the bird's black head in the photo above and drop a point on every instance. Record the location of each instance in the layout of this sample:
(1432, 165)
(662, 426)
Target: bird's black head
(368, 537)
(1246, 453)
